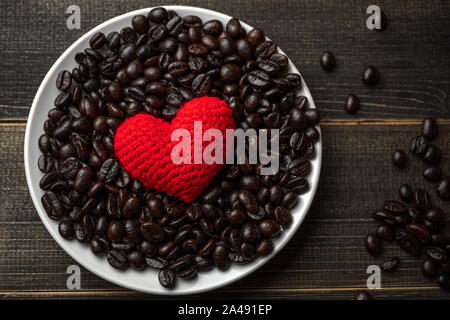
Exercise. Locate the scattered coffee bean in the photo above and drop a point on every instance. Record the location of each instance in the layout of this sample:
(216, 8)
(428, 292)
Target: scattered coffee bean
(399, 158)
(418, 145)
(390, 264)
(385, 232)
(432, 154)
(327, 61)
(373, 244)
(443, 188)
(429, 128)
(351, 104)
(370, 76)
(432, 173)
(428, 269)
(363, 295)
(406, 193)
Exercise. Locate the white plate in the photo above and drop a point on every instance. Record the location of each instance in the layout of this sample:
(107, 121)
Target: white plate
(145, 281)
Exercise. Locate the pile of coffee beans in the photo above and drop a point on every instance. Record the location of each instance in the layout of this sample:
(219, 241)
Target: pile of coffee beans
(414, 223)
(161, 61)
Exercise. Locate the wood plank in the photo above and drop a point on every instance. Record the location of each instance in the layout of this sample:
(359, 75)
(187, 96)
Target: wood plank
(412, 54)
(325, 259)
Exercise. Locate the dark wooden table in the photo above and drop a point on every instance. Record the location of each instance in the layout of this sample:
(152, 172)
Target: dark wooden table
(326, 258)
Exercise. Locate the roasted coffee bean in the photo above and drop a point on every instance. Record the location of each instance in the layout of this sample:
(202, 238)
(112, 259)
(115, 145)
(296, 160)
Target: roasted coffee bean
(66, 229)
(422, 200)
(373, 244)
(384, 216)
(201, 85)
(63, 99)
(167, 278)
(432, 154)
(418, 145)
(220, 257)
(432, 173)
(117, 259)
(390, 264)
(64, 80)
(399, 158)
(157, 15)
(394, 207)
(115, 231)
(137, 260)
(370, 76)
(283, 217)
(437, 255)
(249, 201)
(408, 243)
(259, 79)
(97, 41)
(428, 269)
(47, 180)
(152, 231)
(52, 205)
(156, 263)
(429, 128)
(443, 281)
(434, 219)
(385, 232)
(108, 171)
(401, 220)
(443, 188)
(419, 232)
(264, 247)
(269, 228)
(327, 61)
(363, 295)
(406, 193)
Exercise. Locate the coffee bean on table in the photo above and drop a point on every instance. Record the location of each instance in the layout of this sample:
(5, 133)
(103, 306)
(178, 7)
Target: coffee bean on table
(363, 295)
(373, 244)
(406, 193)
(394, 207)
(434, 219)
(390, 264)
(408, 243)
(418, 145)
(436, 254)
(429, 128)
(370, 76)
(351, 104)
(432, 173)
(443, 281)
(327, 61)
(443, 188)
(419, 231)
(428, 269)
(432, 154)
(385, 232)
(422, 199)
(399, 158)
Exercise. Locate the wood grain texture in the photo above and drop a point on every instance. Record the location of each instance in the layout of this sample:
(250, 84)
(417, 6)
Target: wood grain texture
(411, 54)
(324, 260)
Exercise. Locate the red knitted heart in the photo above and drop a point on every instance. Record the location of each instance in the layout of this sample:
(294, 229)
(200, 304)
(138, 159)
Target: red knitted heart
(143, 146)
